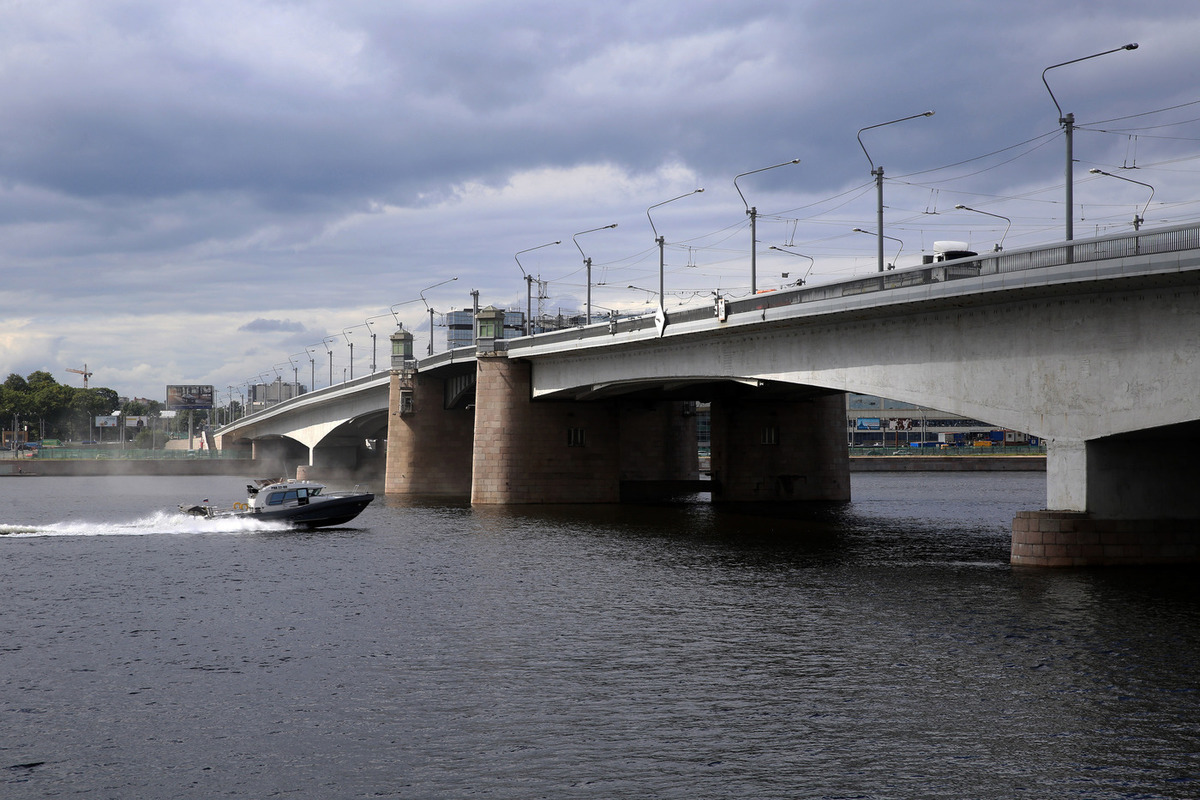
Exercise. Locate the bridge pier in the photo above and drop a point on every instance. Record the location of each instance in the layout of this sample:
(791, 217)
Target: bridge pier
(429, 446)
(780, 451)
(546, 452)
(1127, 499)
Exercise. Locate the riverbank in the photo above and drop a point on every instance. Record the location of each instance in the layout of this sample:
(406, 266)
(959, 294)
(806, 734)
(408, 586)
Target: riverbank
(931, 463)
(119, 467)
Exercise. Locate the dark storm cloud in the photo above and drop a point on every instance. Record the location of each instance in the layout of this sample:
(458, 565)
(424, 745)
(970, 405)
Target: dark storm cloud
(324, 161)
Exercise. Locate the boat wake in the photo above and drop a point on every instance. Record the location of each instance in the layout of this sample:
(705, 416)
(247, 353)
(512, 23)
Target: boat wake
(160, 522)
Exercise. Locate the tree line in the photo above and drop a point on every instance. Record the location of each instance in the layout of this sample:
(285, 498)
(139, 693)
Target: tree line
(47, 409)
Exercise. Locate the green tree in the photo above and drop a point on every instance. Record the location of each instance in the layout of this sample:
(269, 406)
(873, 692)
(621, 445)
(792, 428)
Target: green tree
(16, 383)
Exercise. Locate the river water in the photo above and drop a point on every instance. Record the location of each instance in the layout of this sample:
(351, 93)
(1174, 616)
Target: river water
(884, 649)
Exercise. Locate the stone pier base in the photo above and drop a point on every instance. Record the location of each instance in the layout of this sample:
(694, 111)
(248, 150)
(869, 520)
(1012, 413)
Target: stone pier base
(1077, 539)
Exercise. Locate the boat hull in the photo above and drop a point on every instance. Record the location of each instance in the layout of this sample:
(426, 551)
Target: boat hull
(326, 512)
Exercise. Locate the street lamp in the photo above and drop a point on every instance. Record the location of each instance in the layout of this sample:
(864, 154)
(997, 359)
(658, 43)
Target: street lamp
(752, 212)
(295, 371)
(372, 330)
(351, 343)
(326, 342)
(662, 243)
(529, 286)
(1068, 123)
(893, 238)
(312, 367)
(587, 262)
(1137, 219)
(878, 173)
(1000, 244)
(811, 263)
(423, 300)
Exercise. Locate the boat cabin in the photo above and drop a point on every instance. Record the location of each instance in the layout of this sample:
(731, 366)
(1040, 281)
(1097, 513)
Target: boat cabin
(282, 494)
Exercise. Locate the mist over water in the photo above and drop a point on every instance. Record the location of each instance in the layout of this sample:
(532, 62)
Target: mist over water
(879, 649)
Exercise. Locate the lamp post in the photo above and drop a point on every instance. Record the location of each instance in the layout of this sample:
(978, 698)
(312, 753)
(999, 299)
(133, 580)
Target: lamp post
(295, 371)
(326, 342)
(372, 330)
(752, 212)
(1137, 219)
(893, 238)
(1068, 123)
(661, 241)
(423, 300)
(811, 263)
(587, 262)
(878, 173)
(529, 286)
(1000, 244)
(312, 368)
(350, 342)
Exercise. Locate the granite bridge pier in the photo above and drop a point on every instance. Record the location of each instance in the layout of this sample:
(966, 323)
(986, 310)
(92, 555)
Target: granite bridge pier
(1092, 345)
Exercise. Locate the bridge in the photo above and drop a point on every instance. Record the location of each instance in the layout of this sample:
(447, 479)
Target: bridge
(1091, 344)
(330, 426)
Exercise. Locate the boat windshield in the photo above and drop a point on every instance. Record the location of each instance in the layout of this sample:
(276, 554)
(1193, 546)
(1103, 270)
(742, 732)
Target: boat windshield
(291, 495)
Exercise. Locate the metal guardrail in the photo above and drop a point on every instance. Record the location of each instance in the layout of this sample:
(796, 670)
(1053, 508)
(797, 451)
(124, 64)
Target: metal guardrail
(1164, 240)
(963, 450)
(129, 454)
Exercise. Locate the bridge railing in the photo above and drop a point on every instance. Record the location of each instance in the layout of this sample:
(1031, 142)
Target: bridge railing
(1162, 240)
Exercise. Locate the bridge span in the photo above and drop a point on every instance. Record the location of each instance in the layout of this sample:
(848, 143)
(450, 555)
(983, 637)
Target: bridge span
(1092, 345)
(329, 426)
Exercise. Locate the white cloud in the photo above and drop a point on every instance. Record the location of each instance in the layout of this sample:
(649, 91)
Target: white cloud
(171, 173)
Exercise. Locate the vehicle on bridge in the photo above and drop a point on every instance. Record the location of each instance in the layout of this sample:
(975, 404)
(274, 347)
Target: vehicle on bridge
(304, 504)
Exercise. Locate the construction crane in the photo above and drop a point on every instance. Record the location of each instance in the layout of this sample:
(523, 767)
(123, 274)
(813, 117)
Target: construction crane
(84, 372)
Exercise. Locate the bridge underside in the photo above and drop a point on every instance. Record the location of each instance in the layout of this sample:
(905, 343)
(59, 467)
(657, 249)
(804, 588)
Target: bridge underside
(352, 449)
(1104, 371)
(771, 441)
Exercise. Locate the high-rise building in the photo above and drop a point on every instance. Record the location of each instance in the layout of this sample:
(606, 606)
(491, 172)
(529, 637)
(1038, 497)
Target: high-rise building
(461, 327)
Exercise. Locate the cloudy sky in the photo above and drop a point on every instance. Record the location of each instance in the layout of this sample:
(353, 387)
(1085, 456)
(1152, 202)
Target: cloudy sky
(205, 191)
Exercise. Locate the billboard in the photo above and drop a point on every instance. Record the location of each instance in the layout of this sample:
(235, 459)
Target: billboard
(108, 421)
(868, 423)
(190, 396)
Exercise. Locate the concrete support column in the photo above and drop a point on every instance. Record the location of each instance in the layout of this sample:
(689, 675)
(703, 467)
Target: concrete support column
(1117, 501)
(546, 452)
(779, 451)
(1066, 475)
(428, 446)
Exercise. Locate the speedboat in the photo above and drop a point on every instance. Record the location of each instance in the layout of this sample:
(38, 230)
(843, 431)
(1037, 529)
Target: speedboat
(304, 504)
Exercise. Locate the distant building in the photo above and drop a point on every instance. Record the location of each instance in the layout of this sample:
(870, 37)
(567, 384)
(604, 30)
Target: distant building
(873, 421)
(262, 395)
(461, 330)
